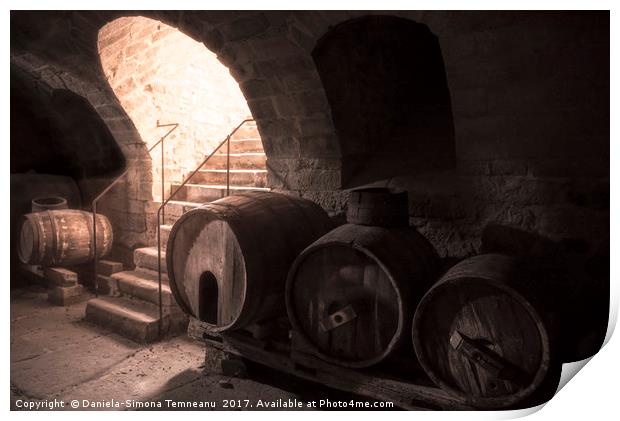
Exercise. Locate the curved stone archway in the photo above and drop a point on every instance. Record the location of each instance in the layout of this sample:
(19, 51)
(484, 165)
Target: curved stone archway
(161, 75)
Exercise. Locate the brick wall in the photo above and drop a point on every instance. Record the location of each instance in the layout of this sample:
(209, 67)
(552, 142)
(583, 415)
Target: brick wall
(161, 74)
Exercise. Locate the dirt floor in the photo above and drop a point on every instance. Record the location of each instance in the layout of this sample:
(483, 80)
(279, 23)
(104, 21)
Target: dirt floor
(58, 357)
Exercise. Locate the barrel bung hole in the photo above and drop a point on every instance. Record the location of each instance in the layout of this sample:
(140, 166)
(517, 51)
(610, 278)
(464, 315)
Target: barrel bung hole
(208, 297)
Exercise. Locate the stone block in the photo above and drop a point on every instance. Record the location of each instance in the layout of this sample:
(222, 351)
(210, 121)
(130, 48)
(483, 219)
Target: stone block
(302, 39)
(107, 285)
(245, 27)
(130, 318)
(255, 88)
(64, 296)
(108, 267)
(302, 81)
(287, 106)
(312, 179)
(278, 128)
(234, 367)
(319, 125)
(320, 146)
(262, 108)
(282, 147)
(146, 257)
(285, 66)
(61, 277)
(313, 102)
(275, 48)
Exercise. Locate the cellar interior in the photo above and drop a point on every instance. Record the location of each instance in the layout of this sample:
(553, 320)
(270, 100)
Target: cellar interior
(303, 205)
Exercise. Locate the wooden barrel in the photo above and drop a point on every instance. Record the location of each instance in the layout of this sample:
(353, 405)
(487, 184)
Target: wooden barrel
(62, 237)
(378, 207)
(486, 333)
(228, 260)
(49, 203)
(351, 293)
(24, 188)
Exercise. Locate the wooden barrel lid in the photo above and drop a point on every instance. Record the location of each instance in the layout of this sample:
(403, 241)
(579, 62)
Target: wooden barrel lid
(478, 338)
(350, 306)
(208, 268)
(28, 244)
(350, 294)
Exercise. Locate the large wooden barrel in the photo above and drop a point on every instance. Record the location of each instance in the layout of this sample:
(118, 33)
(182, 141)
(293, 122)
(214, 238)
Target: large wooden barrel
(62, 237)
(351, 293)
(378, 206)
(228, 260)
(486, 333)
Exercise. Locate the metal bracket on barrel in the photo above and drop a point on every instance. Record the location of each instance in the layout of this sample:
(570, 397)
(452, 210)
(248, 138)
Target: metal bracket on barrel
(338, 318)
(489, 360)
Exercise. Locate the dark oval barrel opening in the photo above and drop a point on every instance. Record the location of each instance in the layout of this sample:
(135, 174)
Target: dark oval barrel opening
(208, 293)
(47, 201)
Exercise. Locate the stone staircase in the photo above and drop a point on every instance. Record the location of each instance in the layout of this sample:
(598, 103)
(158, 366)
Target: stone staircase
(128, 300)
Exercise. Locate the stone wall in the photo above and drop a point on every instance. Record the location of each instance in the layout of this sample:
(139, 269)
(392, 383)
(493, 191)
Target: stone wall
(529, 94)
(126, 203)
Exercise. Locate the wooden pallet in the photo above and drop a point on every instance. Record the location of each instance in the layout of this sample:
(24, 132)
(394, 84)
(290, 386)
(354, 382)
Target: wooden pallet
(288, 355)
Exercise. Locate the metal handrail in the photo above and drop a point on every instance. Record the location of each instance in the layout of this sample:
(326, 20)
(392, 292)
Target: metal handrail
(174, 193)
(116, 181)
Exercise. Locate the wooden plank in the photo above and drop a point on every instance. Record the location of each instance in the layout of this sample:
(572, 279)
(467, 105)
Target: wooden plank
(404, 394)
(278, 355)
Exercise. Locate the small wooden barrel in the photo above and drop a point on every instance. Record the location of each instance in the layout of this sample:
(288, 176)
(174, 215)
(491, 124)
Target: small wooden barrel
(485, 334)
(378, 207)
(24, 188)
(49, 203)
(351, 293)
(62, 237)
(228, 260)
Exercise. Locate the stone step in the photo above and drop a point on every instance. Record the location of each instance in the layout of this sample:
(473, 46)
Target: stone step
(238, 161)
(164, 231)
(249, 129)
(143, 284)
(173, 211)
(249, 144)
(146, 258)
(134, 319)
(248, 178)
(153, 274)
(208, 193)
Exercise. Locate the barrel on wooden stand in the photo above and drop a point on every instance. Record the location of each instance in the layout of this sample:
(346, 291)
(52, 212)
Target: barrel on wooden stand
(351, 293)
(24, 188)
(62, 237)
(228, 260)
(486, 333)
